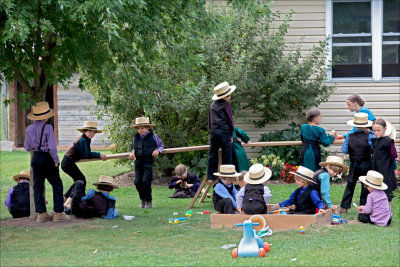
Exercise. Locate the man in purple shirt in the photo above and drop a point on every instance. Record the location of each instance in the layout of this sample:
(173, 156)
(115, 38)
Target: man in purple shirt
(220, 122)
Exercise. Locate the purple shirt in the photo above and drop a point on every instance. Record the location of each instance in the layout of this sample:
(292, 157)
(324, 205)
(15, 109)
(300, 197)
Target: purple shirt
(240, 195)
(8, 201)
(32, 139)
(378, 207)
(159, 143)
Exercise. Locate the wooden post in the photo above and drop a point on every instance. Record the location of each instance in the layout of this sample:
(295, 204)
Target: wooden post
(4, 111)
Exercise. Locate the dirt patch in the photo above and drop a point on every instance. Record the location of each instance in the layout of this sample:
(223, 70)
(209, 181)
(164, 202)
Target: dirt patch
(127, 179)
(29, 222)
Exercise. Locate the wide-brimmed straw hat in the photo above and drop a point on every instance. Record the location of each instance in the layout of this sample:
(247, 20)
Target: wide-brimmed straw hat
(374, 179)
(24, 174)
(257, 174)
(106, 180)
(89, 125)
(390, 130)
(304, 173)
(227, 170)
(41, 111)
(142, 121)
(222, 90)
(360, 120)
(334, 160)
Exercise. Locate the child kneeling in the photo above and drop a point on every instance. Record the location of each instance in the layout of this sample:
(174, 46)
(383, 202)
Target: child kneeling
(254, 196)
(93, 204)
(224, 196)
(17, 200)
(377, 209)
(185, 184)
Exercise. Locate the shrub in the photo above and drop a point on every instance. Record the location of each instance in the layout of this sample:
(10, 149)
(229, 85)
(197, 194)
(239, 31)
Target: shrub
(286, 176)
(273, 162)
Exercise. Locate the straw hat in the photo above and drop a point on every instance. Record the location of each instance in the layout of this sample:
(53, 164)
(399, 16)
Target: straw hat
(360, 120)
(334, 160)
(106, 180)
(227, 171)
(374, 179)
(390, 130)
(222, 90)
(142, 121)
(304, 173)
(41, 111)
(89, 125)
(24, 173)
(257, 174)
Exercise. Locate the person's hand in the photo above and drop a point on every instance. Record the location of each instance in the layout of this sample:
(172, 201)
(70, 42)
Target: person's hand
(367, 131)
(248, 142)
(56, 164)
(179, 182)
(132, 156)
(155, 153)
(103, 156)
(240, 210)
(334, 208)
(275, 207)
(339, 137)
(189, 185)
(360, 209)
(322, 211)
(231, 140)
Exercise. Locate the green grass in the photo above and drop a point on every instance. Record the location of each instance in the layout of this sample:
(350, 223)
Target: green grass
(149, 240)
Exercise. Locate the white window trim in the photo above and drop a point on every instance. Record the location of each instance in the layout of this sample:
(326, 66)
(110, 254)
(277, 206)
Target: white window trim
(376, 32)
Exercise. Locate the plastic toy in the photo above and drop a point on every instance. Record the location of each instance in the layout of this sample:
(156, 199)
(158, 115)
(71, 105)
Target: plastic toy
(177, 220)
(282, 211)
(203, 212)
(336, 219)
(258, 219)
(189, 213)
(250, 245)
(301, 230)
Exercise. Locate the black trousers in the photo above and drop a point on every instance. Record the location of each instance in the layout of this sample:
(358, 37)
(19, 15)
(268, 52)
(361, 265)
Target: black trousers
(218, 139)
(364, 218)
(77, 192)
(69, 167)
(224, 206)
(43, 167)
(254, 207)
(17, 213)
(357, 169)
(144, 176)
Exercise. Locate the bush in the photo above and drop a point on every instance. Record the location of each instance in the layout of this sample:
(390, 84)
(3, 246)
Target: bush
(286, 176)
(273, 162)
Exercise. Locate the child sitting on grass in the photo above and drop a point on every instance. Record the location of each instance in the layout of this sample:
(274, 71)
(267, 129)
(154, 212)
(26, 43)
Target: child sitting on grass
(377, 209)
(185, 184)
(224, 196)
(17, 200)
(254, 196)
(306, 198)
(93, 204)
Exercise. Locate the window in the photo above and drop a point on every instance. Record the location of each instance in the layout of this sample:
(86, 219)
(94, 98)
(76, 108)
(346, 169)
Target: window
(365, 38)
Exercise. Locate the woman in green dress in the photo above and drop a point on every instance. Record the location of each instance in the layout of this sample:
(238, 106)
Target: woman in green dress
(312, 135)
(239, 156)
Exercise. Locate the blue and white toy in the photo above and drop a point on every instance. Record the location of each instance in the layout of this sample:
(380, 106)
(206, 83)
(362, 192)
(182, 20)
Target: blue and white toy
(251, 245)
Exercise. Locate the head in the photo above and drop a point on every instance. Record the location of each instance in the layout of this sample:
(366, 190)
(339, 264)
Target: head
(105, 188)
(22, 179)
(242, 182)
(379, 127)
(313, 116)
(227, 98)
(301, 182)
(333, 169)
(354, 102)
(227, 180)
(143, 129)
(368, 187)
(181, 171)
(89, 133)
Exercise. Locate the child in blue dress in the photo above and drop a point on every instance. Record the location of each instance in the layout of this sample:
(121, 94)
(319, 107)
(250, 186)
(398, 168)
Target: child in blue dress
(312, 135)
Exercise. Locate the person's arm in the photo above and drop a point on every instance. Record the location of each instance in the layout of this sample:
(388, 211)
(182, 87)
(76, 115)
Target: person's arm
(52, 143)
(317, 201)
(242, 135)
(325, 139)
(221, 191)
(239, 198)
(228, 110)
(393, 151)
(8, 201)
(159, 143)
(325, 189)
(371, 136)
(83, 146)
(367, 209)
(27, 143)
(267, 194)
(89, 195)
(172, 183)
(345, 145)
(111, 214)
(288, 202)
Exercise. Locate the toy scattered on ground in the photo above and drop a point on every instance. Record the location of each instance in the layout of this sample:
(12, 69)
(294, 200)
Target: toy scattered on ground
(336, 219)
(258, 219)
(189, 213)
(265, 232)
(301, 230)
(177, 220)
(203, 212)
(250, 245)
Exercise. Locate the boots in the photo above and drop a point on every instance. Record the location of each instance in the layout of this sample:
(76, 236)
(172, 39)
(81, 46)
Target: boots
(60, 217)
(43, 217)
(148, 205)
(142, 204)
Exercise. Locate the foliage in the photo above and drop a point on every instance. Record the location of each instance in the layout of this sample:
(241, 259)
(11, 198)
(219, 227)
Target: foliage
(285, 175)
(274, 163)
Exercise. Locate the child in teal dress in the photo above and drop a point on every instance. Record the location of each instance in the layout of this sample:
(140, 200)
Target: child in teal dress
(239, 156)
(312, 135)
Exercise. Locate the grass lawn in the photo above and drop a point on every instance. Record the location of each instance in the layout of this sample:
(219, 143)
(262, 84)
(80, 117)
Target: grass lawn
(149, 240)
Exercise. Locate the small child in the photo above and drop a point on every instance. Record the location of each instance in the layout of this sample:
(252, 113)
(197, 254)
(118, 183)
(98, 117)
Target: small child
(254, 196)
(332, 166)
(239, 156)
(311, 136)
(359, 147)
(17, 199)
(224, 196)
(93, 204)
(185, 184)
(220, 123)
(383, 156)
(306, 198)
(146, 146)
(80, 149)
(377, 209)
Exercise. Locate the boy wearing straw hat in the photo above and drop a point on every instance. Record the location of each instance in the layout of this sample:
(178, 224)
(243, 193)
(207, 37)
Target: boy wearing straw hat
(254, 196)
(220, 123)
(17, 200)
(94, 203)
(332, 166)
(305, 198)
(224, 196)
(80, 149)
(146, 146)
(377, 209)
(41, 140)
(359, 147)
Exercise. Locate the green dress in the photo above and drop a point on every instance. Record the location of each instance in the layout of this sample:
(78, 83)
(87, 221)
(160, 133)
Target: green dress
(240, 159)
